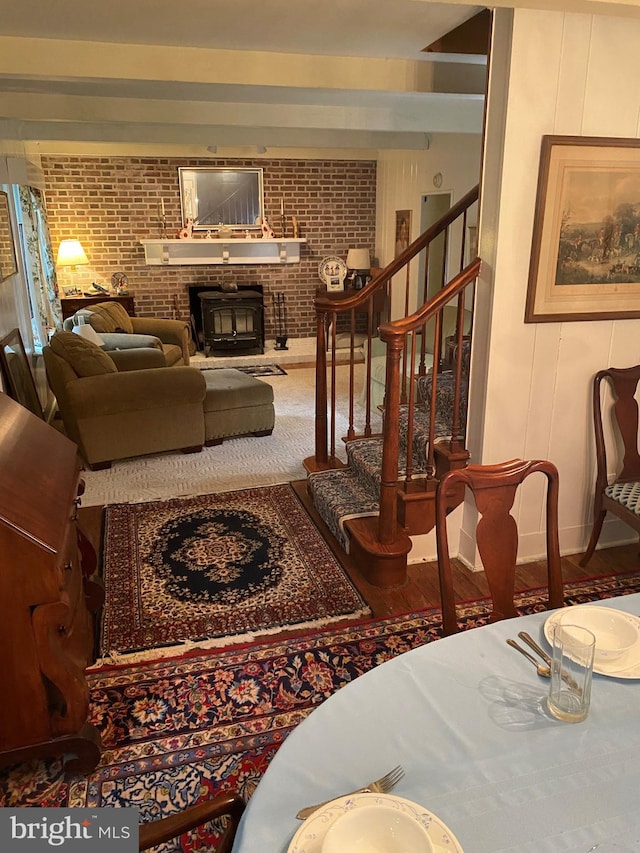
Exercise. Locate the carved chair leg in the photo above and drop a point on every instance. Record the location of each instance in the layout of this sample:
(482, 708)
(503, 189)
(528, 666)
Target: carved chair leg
(595, 535)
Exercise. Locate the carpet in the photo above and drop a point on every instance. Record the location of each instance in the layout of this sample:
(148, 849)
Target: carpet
(216, 569)
(236, 464)
(175, 731)
(256, 369)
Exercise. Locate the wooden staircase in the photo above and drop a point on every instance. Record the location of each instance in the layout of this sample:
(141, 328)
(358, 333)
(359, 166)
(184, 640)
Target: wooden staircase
(385, 492)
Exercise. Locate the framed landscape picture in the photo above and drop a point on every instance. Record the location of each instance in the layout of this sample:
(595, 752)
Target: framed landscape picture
(585, 254)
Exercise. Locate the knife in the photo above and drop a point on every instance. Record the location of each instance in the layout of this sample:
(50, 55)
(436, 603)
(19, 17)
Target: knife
(536, 648)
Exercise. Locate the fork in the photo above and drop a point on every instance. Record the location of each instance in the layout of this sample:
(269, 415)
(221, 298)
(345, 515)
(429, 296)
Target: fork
(379, 786)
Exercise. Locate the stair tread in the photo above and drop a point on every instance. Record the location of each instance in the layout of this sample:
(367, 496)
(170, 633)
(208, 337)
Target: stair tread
(340, 494)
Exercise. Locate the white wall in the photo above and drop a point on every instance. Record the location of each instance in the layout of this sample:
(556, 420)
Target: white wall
(562, 74)
(403, 177)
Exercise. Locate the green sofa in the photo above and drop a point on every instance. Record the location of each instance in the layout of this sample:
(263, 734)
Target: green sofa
(119, 331)
(124, 403)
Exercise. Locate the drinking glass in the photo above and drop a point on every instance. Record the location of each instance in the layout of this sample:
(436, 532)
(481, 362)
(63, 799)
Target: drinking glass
(571, 672)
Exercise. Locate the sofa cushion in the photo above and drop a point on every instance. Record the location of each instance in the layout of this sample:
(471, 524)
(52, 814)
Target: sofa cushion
(110, 317)
(85, 358)
(120, 340)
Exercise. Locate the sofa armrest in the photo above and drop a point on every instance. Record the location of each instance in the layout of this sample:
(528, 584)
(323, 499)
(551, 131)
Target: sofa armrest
(120, 340)
(169, 331)
(143, 358)
(138, 390)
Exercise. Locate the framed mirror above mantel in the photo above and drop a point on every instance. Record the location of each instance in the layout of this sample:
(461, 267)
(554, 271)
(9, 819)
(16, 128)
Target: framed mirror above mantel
(240, 250)
(221, 197)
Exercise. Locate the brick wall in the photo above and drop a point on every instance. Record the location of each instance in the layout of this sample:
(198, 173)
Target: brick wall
(110, 204)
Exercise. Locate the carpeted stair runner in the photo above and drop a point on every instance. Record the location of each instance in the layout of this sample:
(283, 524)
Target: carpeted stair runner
(354, 491)
(341, 494)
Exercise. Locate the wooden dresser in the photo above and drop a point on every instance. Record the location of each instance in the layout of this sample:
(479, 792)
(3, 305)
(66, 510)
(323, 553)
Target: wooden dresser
(48, 600)
(71, 304)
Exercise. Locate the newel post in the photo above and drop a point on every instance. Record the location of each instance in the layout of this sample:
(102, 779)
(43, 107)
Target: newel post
(388, 519)
(321, 391)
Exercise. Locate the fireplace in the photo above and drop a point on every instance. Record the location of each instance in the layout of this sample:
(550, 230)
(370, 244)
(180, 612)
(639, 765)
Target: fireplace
(228, 322)
(232, 322)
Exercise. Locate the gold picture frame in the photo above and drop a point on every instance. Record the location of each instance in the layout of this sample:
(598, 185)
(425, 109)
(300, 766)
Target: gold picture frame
(585, 255)
(403, 231)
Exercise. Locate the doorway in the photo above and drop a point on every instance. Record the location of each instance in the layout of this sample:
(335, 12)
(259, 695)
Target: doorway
(433, 207)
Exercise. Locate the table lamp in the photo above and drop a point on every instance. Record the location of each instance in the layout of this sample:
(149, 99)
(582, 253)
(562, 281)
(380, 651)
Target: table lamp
(359, 265)
(71, 254)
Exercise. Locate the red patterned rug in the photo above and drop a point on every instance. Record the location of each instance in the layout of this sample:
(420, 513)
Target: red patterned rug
(214, 570)
(176, 730)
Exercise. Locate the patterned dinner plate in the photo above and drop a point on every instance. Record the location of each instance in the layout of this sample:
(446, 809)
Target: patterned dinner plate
(309, 838)
(332, 269)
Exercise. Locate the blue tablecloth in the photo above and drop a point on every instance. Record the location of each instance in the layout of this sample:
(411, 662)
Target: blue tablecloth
(465, 717)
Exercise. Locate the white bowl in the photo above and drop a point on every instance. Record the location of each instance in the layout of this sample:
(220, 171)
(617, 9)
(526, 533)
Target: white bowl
(615, 633)
(376, 829)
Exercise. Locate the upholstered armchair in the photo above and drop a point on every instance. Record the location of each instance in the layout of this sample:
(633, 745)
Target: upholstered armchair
(112, 412)
(120, 331)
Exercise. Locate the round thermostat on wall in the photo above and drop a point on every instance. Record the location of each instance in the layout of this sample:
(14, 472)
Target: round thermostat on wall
(437, 179)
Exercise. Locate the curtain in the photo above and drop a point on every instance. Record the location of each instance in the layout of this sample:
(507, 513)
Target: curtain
(46, 312)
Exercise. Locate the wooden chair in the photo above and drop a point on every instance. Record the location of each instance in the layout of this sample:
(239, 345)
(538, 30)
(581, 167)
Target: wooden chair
(494, 489)
(622, 496)
(227, 804)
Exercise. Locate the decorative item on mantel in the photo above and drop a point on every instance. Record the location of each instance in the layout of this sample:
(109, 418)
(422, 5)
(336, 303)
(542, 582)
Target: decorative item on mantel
(267, 230)
(186, 233)
(223, 232)
(162, 219)
(280, 307)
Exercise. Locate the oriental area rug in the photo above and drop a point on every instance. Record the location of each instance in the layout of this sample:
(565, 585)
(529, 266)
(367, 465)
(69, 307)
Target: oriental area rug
(216, 569)
(176, 731)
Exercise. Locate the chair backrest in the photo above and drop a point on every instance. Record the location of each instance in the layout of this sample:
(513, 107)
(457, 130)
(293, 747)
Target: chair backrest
(624, 382)
(227, 804)
(494, 489)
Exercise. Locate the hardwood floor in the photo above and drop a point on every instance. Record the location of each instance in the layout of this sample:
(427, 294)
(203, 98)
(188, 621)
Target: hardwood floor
(421, 589)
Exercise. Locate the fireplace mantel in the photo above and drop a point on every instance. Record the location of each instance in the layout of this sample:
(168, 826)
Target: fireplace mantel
(203, 250)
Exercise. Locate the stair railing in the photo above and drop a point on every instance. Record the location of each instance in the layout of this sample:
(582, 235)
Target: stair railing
(364, 310)
(446, 425)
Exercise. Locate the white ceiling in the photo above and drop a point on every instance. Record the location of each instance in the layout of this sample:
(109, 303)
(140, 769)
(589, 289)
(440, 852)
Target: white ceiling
(347, 74)
(396, 29)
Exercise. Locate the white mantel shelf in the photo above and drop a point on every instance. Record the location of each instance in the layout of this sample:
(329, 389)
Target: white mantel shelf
(241, 250)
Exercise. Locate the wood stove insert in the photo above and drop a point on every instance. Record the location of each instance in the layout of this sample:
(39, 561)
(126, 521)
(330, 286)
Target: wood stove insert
(232, 322)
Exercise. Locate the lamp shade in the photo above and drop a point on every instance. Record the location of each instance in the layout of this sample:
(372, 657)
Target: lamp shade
(358, 259)
(84, 330)
(71, 253)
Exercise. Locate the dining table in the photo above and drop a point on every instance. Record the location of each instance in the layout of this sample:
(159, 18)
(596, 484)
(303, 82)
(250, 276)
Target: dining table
(466, 718)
